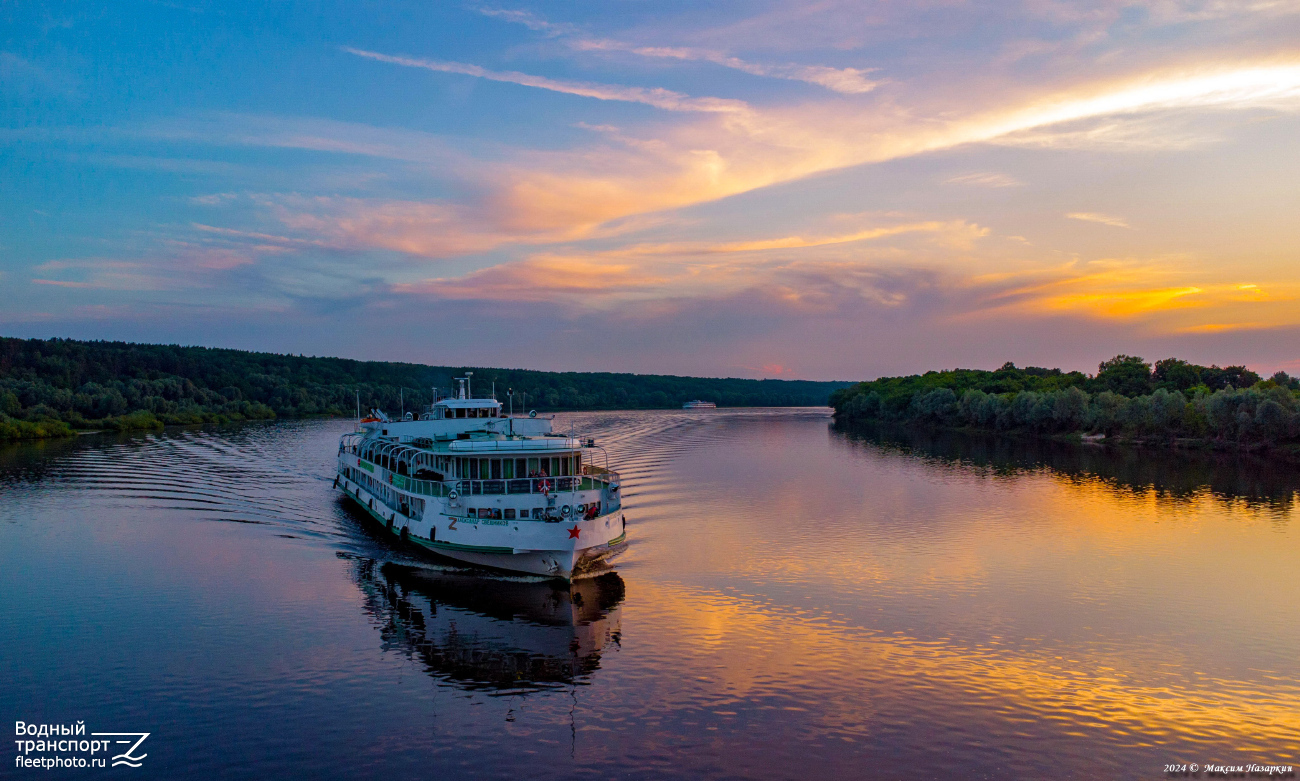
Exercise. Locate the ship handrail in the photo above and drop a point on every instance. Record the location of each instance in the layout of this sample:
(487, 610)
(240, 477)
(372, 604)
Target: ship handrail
(513, 445)
(504, 486)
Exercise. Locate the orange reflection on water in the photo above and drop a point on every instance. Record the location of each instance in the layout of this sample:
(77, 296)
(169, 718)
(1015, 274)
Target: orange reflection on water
(1139, 694)
(1109, 599)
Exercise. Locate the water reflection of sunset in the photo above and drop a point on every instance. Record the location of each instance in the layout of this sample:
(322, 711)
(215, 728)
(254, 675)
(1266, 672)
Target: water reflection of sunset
(1077, 599)
(796, 602)
(1139, 693)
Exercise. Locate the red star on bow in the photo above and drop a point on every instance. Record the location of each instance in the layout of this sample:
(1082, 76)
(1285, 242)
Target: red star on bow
(574, 532)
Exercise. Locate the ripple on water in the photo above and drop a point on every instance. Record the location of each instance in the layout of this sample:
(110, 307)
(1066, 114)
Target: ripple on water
(796, 601)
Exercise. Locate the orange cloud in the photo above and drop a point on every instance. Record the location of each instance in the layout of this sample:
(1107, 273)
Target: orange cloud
(680, 269)
(1104, 219)
(742, 151)
(543, 278)
(1143, 290)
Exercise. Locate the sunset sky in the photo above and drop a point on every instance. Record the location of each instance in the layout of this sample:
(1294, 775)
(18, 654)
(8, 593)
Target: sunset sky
(819, 190)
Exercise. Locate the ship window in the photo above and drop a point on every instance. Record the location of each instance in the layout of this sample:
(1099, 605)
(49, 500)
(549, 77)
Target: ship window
(484, 470)
(521, 467)
(496, 469)
(508, 469)
(510, 514)
(566, 465)
(532, 467)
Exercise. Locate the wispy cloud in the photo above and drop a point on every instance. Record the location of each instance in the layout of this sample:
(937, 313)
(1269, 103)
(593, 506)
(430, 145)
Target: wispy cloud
(985, 179)
(713, 159)
(844, 80)
(1104, 219)
(607, 278)
(66, 283)
(851, 81)
(650, 96)
(530, 20)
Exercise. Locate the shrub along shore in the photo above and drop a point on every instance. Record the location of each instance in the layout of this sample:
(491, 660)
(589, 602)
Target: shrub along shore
(55, 387)
(1172, 403)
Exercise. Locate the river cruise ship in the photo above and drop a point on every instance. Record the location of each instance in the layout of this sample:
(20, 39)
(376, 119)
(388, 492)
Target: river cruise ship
(465, 481)
(697, 404)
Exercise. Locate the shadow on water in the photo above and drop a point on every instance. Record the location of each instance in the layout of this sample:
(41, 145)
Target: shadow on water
(1172, 475)
(501, 635)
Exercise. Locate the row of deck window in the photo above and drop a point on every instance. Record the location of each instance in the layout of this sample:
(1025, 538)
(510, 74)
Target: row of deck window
(471, 412)
(462, 468)
(511, 468)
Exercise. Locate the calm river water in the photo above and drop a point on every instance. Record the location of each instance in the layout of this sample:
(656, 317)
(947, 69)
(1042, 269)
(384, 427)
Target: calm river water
(796, 602)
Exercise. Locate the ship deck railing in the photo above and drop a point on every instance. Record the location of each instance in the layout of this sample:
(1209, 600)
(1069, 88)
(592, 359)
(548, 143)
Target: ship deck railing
(506, 487)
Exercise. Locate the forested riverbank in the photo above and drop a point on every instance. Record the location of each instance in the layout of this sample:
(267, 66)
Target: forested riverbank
(55, 387)
(1172, 403)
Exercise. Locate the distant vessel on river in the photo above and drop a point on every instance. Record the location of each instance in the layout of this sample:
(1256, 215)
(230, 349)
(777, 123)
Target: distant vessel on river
(467, 482)
(697, 404)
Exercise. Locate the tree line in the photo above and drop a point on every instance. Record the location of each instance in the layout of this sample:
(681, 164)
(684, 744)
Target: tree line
(52, 387)
(1126, 398)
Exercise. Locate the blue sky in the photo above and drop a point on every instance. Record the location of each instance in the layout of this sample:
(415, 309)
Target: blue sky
(829, 190)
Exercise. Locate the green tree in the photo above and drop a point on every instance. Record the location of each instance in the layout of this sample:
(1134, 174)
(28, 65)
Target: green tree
(1127, 375)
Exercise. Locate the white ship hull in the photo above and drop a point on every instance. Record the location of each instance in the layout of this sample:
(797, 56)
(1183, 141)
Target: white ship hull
(550, 551)
(465, 482)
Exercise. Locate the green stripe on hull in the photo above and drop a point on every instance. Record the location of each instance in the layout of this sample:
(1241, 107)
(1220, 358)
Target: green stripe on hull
(457, 546)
